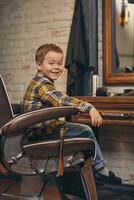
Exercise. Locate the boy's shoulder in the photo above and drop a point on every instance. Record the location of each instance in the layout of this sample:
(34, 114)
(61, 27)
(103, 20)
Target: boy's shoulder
(40, 78)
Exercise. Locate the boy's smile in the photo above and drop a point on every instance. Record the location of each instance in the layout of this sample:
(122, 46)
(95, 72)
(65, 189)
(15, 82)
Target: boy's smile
(52, 65)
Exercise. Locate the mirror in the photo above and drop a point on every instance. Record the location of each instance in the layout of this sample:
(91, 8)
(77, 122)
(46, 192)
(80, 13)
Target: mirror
(118, 19)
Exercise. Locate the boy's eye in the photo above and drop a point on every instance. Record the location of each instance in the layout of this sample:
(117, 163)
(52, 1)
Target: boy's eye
(60, 63)
(51, 63)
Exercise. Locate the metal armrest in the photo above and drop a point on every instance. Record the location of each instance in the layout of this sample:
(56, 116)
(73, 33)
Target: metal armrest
(27, 119)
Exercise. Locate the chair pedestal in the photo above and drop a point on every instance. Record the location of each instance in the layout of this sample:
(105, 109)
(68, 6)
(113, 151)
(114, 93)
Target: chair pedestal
(32, 186)
(28, 188)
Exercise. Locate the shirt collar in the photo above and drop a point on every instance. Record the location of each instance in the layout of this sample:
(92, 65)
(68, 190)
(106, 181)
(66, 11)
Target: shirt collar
(41, 75)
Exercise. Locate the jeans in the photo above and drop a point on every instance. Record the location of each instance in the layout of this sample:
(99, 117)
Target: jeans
(82, 130)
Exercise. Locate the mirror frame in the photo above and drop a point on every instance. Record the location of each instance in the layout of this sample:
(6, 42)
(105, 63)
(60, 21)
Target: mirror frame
(110, 78)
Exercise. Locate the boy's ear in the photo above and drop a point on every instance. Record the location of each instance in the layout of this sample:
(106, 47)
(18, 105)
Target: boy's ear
(38, 65)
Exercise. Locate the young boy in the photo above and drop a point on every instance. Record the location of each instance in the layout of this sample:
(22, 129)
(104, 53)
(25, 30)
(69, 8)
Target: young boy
(42, 93)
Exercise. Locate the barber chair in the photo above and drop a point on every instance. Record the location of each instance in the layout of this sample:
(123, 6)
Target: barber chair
(33, 160)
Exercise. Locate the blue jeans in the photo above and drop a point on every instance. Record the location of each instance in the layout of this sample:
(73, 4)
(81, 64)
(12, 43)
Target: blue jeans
(82, 130)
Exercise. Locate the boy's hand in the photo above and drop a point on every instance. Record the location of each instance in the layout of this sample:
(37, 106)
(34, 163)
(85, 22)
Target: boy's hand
(96, 119)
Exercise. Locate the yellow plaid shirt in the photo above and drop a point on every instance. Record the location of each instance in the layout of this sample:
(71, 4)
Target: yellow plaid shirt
(42, 93)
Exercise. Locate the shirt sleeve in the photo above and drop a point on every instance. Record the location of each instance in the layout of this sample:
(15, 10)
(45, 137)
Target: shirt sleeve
(48, 92)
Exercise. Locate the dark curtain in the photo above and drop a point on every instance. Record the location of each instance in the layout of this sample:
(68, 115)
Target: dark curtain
(131, 1)
(115, 57)
(82, 56)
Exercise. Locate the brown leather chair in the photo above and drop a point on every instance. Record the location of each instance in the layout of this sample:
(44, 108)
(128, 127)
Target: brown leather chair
(33, 160)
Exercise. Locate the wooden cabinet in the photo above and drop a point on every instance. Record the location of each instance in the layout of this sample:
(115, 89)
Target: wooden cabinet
(114, 110)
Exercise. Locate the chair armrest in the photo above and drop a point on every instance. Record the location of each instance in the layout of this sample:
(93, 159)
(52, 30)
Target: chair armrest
(27, 119)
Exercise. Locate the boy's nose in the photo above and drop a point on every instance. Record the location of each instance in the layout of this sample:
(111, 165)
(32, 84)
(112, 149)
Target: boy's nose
(56, 66)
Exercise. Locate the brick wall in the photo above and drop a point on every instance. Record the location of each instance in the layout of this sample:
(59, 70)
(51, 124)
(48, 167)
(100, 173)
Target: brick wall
(25, 25)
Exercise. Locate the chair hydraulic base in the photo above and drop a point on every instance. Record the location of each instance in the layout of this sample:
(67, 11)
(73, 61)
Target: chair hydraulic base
(29, 188)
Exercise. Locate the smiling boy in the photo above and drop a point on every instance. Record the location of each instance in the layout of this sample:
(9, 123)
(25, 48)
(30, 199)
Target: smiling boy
(42, 93)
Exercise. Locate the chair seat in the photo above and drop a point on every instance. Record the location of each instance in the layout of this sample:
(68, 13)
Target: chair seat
(51, 147)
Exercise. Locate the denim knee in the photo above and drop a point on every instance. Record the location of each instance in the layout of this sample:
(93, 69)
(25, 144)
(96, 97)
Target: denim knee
(77, 129)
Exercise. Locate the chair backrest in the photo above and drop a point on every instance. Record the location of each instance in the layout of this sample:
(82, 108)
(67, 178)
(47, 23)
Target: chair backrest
(6, 112)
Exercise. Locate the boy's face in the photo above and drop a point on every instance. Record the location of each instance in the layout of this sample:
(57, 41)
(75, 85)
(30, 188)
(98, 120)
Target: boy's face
(52, 65)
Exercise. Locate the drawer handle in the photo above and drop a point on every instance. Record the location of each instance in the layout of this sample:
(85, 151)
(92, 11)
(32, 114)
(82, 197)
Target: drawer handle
(108, 114)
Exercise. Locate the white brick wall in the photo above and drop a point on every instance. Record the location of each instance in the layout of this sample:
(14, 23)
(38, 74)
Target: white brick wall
(25, 25)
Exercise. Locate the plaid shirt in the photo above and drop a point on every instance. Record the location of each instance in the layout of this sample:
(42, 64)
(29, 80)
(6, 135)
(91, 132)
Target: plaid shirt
(42, 93)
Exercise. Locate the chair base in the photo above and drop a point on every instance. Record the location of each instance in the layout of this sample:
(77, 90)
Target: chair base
(31, 187)
(28, 188)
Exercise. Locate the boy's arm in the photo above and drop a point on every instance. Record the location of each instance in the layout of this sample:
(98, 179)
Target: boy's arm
(57, 98)
(83, 106)
(47, 92)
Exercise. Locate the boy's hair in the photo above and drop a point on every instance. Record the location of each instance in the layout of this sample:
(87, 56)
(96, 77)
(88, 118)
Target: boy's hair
(44, 49)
